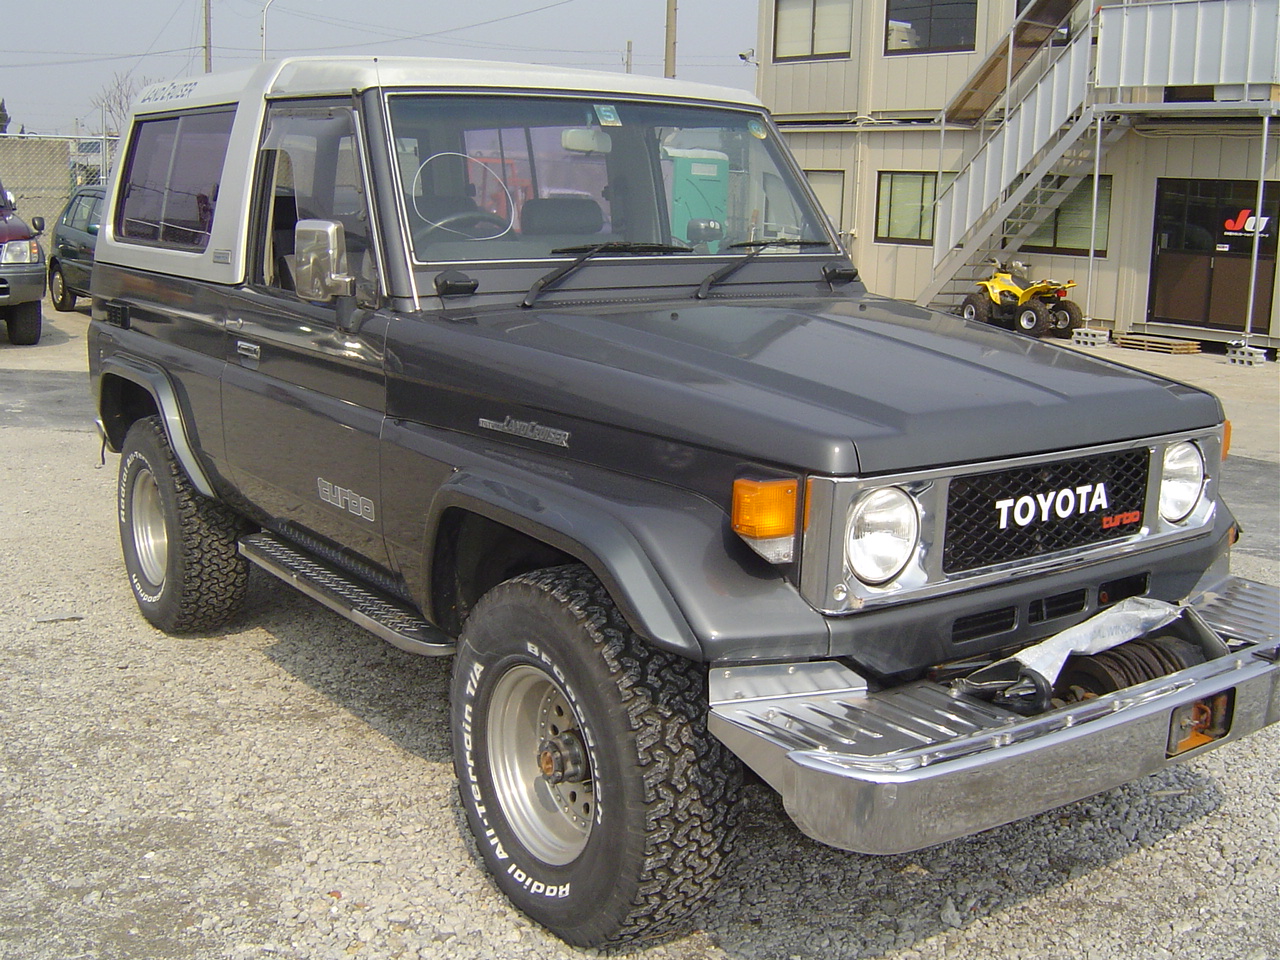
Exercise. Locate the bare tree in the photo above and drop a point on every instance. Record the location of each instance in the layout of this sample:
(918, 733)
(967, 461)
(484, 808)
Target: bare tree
(116, 99)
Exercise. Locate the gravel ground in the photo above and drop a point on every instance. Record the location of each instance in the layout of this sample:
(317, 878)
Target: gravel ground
(284, 789)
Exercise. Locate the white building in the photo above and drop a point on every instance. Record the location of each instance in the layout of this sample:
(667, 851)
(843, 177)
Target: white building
(1175, 103)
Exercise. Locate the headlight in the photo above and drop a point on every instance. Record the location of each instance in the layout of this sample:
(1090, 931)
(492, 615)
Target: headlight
(883, 531)
(1181, 481)
(20, 251)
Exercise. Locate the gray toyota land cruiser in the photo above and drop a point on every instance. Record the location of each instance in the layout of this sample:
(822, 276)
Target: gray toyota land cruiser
(566, 376)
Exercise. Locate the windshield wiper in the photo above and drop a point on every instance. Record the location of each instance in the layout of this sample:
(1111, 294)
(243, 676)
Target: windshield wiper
(586, 252)
(757, 247)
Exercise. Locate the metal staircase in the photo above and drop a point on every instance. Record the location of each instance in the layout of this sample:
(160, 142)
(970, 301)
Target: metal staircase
(1023, 171)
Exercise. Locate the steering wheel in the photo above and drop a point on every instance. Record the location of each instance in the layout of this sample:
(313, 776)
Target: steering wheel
(465, 223)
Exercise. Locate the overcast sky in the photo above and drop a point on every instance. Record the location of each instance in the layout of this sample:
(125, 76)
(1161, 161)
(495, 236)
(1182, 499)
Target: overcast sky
(61, 54)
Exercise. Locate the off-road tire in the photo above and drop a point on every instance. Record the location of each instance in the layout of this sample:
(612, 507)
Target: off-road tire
(976, 307)
(658, 804)
(23, 323)
(1032, 319)
(1064, 317)
(179, 546)
(64, 301)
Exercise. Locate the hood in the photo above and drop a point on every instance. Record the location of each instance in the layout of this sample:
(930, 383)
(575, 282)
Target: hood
(856, 386)
(13, 227)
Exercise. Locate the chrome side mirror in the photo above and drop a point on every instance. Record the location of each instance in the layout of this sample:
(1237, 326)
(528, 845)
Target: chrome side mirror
(320, 261)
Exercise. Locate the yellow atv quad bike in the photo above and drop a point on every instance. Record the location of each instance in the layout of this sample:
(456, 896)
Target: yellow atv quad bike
(1034, 308)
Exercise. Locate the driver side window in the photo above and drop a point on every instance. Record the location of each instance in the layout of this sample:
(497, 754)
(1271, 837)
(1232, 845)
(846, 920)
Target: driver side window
(309, 169)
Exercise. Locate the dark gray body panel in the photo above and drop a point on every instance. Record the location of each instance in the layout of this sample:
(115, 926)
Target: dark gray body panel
(654, 410)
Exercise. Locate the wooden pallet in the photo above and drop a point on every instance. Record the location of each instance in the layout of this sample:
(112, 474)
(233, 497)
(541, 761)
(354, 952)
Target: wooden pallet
(1138, 341)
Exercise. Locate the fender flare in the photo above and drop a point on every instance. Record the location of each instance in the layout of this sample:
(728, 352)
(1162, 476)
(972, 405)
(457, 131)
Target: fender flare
(665, 556)
(157, 383)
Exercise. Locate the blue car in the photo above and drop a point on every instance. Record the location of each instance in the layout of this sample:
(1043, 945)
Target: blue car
(71, 251)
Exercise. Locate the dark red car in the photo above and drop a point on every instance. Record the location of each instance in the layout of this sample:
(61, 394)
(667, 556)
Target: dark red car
(21, 272)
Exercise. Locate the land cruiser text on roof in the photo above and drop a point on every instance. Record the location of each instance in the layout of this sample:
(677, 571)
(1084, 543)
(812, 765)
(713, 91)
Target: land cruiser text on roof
(565, 375)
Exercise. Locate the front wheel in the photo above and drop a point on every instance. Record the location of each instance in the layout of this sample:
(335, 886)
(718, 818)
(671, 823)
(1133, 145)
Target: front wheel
(1065, 316)
(179, 547)
(600, 802)
(24, 323)
(1032, 318)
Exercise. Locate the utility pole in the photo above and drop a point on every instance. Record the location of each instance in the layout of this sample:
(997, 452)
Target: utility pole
(627, 60)
(670, 63)
(208, 37)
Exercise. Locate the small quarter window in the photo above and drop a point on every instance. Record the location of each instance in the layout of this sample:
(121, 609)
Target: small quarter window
(171, 179)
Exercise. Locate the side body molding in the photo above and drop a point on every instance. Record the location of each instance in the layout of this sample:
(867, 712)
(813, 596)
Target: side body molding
(680, 577)
(157, 383)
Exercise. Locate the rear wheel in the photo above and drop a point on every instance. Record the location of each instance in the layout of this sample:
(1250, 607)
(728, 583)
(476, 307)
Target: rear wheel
(1032, 318)
(63, 299)
(976, 307)
(1064, 317)
(600, 802)
(179, 547)
(23, 323)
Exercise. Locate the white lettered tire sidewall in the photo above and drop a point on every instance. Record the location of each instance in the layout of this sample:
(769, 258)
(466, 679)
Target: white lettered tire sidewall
(191, 538)
(592, 891)
(140, 463)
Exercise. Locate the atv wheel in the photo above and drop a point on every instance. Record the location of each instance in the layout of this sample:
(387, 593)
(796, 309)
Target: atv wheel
(599, 801)
(1064, 317)
(977, 308)
(1032, 318)
(23, 323)
(179, 547)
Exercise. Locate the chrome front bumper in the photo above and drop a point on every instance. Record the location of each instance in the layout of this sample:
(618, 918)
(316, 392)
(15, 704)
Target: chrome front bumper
(904, 768)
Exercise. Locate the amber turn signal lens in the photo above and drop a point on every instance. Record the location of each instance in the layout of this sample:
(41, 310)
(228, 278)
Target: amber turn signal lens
(764, 509)
(1226, 438)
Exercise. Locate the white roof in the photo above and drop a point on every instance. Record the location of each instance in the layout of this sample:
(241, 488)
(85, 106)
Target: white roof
(317, 76)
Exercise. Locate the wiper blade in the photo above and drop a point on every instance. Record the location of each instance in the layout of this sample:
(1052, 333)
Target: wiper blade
(586, 252)
(757, 247)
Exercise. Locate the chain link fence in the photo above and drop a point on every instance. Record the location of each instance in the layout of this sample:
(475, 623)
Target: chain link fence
(42, 171)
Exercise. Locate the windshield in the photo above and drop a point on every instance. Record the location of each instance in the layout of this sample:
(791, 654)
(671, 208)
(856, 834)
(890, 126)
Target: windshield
(515, 178)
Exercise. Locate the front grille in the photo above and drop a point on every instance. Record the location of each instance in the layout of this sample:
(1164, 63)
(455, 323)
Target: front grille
(1034, 511)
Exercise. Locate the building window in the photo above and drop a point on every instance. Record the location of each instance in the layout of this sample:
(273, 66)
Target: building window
(904, 206)
(1067, 229)
(807, 29)
(930, 26)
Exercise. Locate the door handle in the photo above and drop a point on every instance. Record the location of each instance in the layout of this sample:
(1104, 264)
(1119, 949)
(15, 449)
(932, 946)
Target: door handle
(250, 350)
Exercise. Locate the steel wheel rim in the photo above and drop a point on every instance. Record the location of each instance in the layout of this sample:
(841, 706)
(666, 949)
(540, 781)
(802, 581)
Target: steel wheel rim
(969, 311)
(1024, 317)
(58, 285)
(552, 821)
(150, 535)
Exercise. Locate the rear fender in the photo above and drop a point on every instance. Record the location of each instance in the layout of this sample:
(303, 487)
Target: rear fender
(114, 423)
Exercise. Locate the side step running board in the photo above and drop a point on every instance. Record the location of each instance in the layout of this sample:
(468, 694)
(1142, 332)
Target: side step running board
(382, 615)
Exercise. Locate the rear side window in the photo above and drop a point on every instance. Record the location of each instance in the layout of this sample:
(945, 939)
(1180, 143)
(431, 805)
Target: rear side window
(171, 178)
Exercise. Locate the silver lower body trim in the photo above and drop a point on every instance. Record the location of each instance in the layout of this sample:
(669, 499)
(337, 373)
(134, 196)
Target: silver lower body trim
(905, 768)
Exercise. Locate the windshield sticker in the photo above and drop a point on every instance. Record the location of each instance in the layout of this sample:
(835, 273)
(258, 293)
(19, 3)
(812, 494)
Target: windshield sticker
(607, 114)
(757, 129)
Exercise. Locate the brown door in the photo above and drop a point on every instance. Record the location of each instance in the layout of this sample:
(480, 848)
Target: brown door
(1203, 253)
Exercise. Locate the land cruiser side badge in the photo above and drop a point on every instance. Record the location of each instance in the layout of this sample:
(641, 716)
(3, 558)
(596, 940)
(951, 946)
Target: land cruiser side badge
(530, 430)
